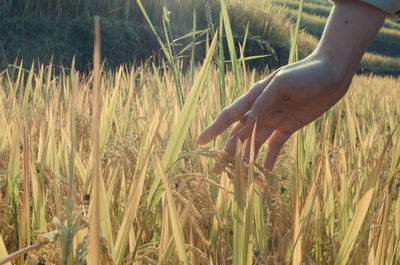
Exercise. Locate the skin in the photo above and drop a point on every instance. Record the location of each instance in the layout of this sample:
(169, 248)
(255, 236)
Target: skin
(297, 94)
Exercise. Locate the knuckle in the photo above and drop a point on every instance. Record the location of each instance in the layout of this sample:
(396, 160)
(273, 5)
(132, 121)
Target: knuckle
(283, 78)
(259, 83)
(262, 102)
(284, 84)
(226, 114)
(277, 142)
(249, 99)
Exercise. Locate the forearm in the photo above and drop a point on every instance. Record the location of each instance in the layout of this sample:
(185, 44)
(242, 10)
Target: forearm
(351, 27)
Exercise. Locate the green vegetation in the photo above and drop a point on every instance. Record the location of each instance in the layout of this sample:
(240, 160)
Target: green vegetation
(47, 29)
(117, 147)
(40, 38)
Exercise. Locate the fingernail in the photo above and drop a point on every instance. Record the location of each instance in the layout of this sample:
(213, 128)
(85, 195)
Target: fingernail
(245, 118)
(200, 139)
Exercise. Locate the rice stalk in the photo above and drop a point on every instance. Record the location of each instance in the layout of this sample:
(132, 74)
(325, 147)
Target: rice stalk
(94, 230)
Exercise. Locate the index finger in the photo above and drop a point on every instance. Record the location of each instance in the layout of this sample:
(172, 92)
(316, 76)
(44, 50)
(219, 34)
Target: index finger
(230, 115)
(224, 120)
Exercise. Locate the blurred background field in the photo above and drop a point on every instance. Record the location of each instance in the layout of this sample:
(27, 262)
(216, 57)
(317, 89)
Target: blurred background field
(45, 29)
(333, 197)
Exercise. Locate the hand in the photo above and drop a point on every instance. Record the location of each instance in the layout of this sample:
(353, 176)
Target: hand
(299, 93)
(281, 104)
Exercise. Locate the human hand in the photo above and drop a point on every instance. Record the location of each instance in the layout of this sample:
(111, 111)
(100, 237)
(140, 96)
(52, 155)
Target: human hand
(281, 104)
(299, 93)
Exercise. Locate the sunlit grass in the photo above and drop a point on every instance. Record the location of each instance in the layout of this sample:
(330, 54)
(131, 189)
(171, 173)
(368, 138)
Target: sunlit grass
(344, 151)
(333, 197)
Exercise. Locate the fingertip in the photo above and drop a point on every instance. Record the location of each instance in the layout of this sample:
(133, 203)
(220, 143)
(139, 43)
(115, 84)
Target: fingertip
(216, 168)
(269, 164)
(204, 137)
(270, 159)
(200, 140)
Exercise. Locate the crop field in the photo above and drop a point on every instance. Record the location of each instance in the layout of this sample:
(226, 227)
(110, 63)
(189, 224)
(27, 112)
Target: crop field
(333, 198)
(103, 168)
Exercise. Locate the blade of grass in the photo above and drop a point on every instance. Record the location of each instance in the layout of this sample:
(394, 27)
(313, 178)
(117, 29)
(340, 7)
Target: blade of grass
(13, 171)
(104, 215)
(68, 232)
(28, 87)
(318, 242)
(3, 251)
(245, 37)
(107, 117)
(301, 159)
(222, 206)
(354, 227)
(183, 217)
(7, 259)
(351, 129)
(381, 247)
(249, 58)
(297, 255)
(361, 211)
(344, 200)
(208, 85)
(239, 247)
(221, 65)
(294, 37)
(397, 216)
(249, 206)
(25, 225)
(137, 188)
(193, 53)
(329, 209)
(173, 62)
(295, 247)
(176, 224)
(232, 49)
(177, 138)
(166, 48)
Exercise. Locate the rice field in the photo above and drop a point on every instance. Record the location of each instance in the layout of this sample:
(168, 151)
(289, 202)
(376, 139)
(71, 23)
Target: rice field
(118, 149)
(333, 198)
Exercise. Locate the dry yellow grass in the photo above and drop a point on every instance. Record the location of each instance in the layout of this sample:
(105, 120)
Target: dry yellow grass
(333, 198)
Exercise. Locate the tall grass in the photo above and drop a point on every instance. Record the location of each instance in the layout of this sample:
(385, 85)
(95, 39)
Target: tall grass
(332, 199)
(350, 191)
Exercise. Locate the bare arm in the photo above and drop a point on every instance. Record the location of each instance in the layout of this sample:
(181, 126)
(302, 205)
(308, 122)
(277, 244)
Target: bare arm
(299, 93)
